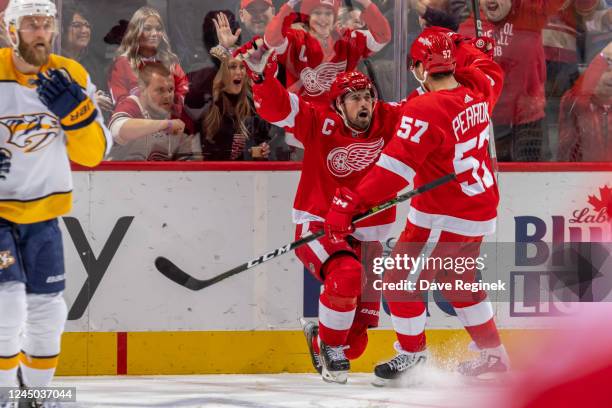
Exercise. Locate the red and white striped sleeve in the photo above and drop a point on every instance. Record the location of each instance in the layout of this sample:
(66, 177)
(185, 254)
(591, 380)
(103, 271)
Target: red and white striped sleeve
(284, 109)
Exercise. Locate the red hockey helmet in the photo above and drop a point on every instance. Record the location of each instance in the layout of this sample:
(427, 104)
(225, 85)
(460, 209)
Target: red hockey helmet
(351, 81)
(435, 50)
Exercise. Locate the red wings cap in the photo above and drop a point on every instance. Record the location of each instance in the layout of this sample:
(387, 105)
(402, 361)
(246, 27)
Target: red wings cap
(435, 50)
(350, 81)
(309, 5)
(246, 3)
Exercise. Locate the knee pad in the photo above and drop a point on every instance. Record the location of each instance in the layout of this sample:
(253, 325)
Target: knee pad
(343, 277)
(357, 341)
(13, 314)
(47, 315)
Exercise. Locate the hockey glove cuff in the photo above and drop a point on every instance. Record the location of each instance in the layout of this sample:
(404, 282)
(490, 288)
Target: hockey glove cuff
(339, 219)
(484, 44)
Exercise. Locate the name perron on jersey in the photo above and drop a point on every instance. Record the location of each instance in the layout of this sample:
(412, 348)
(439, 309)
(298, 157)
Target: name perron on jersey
(440, 133)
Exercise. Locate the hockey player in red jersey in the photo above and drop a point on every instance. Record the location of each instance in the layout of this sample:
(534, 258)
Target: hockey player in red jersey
(342, 141)
(444, 130)
(315, 55)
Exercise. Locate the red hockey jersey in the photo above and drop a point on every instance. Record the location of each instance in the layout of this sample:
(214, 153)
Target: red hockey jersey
(311, 70)
(440, 133)
(333, 155)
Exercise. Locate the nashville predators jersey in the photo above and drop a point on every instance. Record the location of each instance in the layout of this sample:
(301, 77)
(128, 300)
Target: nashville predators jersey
(39, 185)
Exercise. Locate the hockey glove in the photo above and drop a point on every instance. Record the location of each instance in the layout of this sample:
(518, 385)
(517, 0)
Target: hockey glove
(5, 163)
(485, 45)
(260, 60)
(66, 99)
(339, 219)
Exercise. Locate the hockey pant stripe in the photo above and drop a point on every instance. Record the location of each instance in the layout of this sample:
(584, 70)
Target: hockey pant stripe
(39, 363)
(9, 363)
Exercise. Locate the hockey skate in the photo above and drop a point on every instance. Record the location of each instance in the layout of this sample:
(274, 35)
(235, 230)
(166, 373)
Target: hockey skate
(403, 366)
(311, 331)
(490, 365)
(334, 364)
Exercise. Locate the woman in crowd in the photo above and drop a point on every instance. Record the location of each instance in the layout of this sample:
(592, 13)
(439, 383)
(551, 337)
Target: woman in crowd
(315, 55)
(145, 41)
(76, 36)
(230, 128)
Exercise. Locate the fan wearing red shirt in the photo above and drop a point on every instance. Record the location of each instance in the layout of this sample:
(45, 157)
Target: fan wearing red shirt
(315, 55)
(516, 26)
(444, 130)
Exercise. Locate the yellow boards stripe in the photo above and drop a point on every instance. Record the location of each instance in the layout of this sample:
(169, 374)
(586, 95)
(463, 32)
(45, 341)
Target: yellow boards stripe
(243, 352)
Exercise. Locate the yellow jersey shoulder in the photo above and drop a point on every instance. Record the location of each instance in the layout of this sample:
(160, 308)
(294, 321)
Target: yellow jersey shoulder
(74, 68)
(7, 73)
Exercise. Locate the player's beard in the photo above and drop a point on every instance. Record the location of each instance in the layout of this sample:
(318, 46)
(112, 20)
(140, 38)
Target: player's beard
(361, 123)
(34, 54)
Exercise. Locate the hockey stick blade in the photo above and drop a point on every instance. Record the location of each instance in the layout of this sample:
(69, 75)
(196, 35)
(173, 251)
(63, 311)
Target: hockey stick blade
(177, 275)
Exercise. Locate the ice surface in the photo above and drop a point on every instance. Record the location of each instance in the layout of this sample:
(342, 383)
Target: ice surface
(439, 389)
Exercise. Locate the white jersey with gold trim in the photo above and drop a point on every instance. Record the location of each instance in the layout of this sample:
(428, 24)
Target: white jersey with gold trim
(39, 185)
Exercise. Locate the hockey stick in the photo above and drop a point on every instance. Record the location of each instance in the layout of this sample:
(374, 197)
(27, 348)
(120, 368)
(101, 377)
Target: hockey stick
(177, 275)
(480, 33)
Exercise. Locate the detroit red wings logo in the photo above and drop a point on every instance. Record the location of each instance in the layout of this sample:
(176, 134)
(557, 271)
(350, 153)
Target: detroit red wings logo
(30, 132)
(345, 160)
(318, 80)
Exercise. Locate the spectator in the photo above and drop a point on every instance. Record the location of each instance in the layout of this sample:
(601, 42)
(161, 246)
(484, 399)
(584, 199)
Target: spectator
(518, 118)
(585, 123)
(314, 56)
(254, 17)
(76, 33)
(440, 13)
(349, 17)
(598, 25)
(145, 41)
(564, 47)
(142, 126)
(76, 36)
(200, 89)
(230, 128)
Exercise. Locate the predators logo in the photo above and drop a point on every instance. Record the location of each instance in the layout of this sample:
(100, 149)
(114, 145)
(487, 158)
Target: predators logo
(31, 132)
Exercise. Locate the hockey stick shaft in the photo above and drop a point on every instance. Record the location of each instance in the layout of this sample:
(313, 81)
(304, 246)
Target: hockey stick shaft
(479, 33)
(477, 19)
(174, 273)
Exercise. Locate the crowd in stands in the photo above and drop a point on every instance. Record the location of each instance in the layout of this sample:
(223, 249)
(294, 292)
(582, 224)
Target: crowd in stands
(170, 87)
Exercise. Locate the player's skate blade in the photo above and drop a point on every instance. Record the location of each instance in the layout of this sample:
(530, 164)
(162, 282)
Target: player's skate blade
(335, 365)
(311, 331)
(492, 365)
(400, 370)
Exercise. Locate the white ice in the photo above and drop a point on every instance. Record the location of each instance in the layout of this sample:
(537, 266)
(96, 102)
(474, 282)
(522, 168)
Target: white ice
(439, 390)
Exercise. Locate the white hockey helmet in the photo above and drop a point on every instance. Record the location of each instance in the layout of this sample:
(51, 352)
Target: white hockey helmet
(17, 9)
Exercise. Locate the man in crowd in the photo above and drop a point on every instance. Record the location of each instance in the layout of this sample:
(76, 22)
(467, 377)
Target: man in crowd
(254, 17)
(141, 125)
